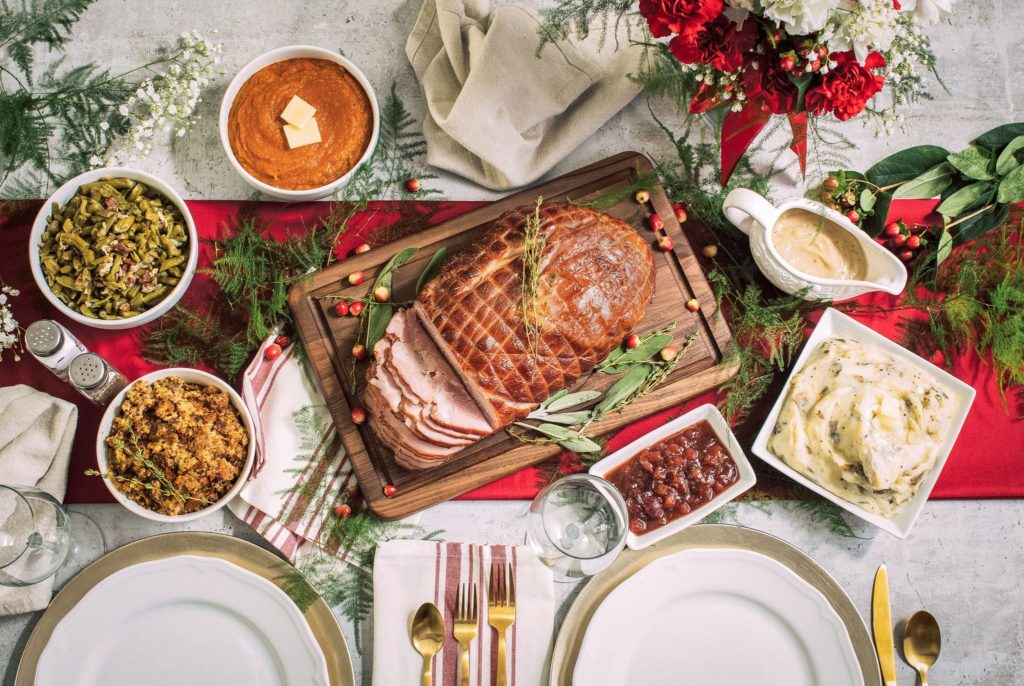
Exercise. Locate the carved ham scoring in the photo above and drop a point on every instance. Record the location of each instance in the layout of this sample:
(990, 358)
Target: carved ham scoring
(484, 367)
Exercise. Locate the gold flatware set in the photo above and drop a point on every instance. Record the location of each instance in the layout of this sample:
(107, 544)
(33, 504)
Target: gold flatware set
(921, 636)
(428, 626)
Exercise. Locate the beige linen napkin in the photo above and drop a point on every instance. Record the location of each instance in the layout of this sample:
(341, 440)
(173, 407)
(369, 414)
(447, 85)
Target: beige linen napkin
(496, 113)
(407, 574)
(36, 431)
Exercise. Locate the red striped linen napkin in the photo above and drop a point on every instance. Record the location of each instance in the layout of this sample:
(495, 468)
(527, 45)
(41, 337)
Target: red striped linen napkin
(301, 472)
(407, 574)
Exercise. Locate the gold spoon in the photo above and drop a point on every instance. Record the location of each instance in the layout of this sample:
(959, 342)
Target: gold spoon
(921, 643)
(427, 635)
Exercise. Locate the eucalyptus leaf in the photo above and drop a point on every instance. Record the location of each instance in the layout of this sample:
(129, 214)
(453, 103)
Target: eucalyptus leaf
(1007, 159)
(867, 199)
(566, 418)
(432, 266)
(1000, 136)
(974, 162)
(964, 198)
(929, 184)
(566, 400)
(623, 388)
(623, 358)
(378, 316)
(1011, 188)
(906, 165)
(945, 246)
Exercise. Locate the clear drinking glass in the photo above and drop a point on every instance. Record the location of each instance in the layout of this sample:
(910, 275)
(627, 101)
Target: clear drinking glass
(577, 526)
(35, 535)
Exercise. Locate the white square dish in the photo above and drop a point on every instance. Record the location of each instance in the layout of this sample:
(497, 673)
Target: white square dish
(834, 323)
(721, 428)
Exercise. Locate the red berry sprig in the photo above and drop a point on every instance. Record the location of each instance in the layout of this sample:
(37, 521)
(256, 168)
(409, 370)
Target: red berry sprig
(903, 240)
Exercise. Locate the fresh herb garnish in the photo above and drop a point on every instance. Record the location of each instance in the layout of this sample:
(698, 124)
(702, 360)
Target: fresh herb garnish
(533, 250)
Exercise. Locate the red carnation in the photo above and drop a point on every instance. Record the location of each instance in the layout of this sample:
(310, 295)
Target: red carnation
(684, 17)
(846, 89)
(722, 44)
(770, 84)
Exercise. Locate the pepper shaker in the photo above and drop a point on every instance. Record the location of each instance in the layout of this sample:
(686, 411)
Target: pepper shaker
(53, 345)
(93, 377)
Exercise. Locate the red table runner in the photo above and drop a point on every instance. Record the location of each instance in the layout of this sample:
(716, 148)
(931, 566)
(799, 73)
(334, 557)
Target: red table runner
(984, 462)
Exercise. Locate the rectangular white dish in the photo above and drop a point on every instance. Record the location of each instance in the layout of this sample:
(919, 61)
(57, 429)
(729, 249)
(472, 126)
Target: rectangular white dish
(836, 324)
(721, 428)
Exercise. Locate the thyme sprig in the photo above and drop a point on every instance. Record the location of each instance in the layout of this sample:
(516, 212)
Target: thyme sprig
(533, 251)
(163, 485)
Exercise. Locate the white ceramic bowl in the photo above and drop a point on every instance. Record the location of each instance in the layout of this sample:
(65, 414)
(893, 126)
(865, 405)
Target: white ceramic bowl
(192, 376)
(287, 53)
(62, 196)
(721, 428)
(834, 323)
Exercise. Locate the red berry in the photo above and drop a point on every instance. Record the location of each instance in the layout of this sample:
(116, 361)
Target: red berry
(665, 244)
(881, 241)
(906, 255)
(892, 229)
(642, 197)
(282, 341)
(341, 308)
(362, 247)
(693, 304)
(899, 239)
(853, 216)
(632, 341)
(656, 222)
(830, 184)
(822, 51)
(272, 352)
(787, 63)
(390, 490)
(413, 185)
(381, 294)
(680, 213)
(914, 242)
(358, 416)
(356, 278)
(356, 308)
(710, 250)
(343, 510)
(359, 351)
(816, 65)
(668, 353)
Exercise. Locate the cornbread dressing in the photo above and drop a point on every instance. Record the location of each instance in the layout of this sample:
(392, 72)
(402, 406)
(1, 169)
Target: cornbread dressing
(862, 424)
(188, 432)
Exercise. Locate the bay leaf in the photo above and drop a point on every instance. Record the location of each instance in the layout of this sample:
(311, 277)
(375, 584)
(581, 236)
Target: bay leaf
(432, 266)
(964, 198)
(1011, 188)
(566, 400)
(929, 184)
(1007, 159)
(623, 388)
(973, 162)
(378, 316)
(906, 164)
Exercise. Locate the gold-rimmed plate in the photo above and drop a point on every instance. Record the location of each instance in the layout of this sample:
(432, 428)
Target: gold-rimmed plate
(708, 536)
(246, 555)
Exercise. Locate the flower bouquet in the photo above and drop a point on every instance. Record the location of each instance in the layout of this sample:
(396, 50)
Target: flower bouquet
(752, 59)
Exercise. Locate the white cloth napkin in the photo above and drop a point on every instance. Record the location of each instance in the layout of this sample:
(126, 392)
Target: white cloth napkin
(36, 431)
(407, 574)
(497, 113)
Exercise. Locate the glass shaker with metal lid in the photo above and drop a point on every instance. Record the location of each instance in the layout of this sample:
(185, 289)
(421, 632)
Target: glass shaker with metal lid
(93, 377)
(53, 345)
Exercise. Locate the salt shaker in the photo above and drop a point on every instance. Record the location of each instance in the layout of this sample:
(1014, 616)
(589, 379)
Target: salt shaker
(93, 377)
(53, 345)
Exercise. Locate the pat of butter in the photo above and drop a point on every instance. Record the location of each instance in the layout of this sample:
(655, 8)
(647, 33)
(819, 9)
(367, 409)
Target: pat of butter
(298, 113)
(307, 135)
(889, 414)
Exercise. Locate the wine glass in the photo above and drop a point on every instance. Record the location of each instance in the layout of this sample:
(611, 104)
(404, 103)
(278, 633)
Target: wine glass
(577, 526)
(35, 537)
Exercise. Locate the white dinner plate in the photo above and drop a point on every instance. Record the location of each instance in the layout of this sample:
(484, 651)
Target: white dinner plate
(183, 620)
(716, 617)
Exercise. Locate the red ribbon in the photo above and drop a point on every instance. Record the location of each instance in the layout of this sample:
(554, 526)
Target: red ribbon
(798, 124)
(738, 131)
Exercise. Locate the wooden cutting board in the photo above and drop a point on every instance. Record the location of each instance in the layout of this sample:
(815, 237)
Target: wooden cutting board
(329, 338)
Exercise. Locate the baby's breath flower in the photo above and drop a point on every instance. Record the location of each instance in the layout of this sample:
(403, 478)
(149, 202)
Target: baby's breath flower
(10, 331)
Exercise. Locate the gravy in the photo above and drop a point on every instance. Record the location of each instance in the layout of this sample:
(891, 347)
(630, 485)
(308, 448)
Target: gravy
(818, 247)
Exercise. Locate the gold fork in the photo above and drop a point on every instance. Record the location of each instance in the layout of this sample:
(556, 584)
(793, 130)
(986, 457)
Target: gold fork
(465, 626)
(501, 610)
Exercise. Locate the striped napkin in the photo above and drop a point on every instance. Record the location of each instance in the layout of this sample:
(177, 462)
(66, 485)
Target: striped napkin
(407, 574)
(301, 472)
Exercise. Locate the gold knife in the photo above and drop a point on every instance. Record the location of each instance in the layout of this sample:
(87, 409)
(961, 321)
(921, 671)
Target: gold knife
(881, 623)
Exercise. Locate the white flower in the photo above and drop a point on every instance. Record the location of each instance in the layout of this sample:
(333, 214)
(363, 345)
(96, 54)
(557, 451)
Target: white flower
(748, 5)
(104, 126)
(870, 26)
(927, 12)
(801, 16)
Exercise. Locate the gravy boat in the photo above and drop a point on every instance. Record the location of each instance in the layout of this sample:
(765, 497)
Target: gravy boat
(755, 216)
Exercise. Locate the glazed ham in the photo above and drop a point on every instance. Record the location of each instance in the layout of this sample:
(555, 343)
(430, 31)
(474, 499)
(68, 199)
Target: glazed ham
(461, 364)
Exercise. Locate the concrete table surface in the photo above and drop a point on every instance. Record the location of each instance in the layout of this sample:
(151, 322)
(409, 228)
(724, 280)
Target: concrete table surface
(964, 560)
